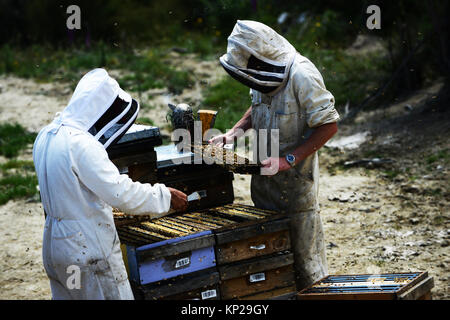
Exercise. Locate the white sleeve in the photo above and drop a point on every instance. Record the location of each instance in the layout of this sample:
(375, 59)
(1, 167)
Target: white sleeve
(314, 97)
(98, 174)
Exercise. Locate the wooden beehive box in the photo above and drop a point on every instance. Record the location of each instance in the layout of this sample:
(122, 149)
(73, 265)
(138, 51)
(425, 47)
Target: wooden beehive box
(241, 243)
(388, 286)
(170, 258)
(250, 240)
(214, 184)
(201, 285)
(184, 243)
(254, 259)
(258, 278)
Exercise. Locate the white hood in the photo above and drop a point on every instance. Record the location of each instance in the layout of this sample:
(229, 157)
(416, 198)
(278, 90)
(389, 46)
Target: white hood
(100, 107)
(258, 56)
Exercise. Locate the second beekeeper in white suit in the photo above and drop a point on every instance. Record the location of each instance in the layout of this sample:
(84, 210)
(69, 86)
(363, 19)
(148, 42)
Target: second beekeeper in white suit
(288, 96)
(79, 184)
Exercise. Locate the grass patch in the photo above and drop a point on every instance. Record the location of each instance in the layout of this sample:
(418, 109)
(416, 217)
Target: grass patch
(150, 71)
(145, 120)
(44, 63)
(441, 155)
(439, 220)
(435, 192)
(391, 174)
(230, 98)
(378, 262)
(348, 78)
(17, 164)
(17, 186)
(13, 138)
(18, 180)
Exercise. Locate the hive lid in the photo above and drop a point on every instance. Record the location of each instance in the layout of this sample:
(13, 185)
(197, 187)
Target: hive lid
(139, 132)
(139, 138)
(169, 155)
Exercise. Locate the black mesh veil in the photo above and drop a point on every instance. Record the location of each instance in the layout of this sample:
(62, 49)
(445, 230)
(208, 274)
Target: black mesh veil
(115, 122)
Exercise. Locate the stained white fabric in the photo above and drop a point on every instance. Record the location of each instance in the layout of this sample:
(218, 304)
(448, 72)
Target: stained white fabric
(78, 185)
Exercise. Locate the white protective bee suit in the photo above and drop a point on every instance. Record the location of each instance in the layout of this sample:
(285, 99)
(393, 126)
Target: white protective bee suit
(288, 94)
(79, 184)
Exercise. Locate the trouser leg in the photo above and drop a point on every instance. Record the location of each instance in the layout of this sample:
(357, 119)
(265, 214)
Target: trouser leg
(307, 241)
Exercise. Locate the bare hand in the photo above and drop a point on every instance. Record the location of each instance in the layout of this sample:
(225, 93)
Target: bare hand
(222, 139)
(272, 166)
(178, 201)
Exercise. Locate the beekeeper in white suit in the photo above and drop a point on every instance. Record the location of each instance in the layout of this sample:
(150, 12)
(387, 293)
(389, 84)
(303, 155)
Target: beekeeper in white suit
(79, 184)
(288, 94)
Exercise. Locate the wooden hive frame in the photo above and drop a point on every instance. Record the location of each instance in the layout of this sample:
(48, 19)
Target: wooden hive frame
(400, 286)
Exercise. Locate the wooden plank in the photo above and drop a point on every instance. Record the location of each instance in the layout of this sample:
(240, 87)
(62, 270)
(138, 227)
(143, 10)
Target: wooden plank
(177, 248)
(242, 286)
(287, 293)
(426, 296)
(418, 291)
(140, 234)
(252, 209)
(244, 268)
(204, 293)
(245, 231)
(257, 246)
(419, 278)
(180, 284)
(347, 296)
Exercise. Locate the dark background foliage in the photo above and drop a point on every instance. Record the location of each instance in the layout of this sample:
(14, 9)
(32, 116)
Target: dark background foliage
(415, 33)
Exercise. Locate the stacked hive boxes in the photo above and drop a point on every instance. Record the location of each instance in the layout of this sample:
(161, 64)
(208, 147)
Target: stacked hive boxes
(227, 252)
(158, 270)
(215, 250)
(254, 260)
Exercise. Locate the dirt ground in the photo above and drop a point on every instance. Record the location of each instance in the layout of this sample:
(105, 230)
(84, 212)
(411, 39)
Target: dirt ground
(374, 222)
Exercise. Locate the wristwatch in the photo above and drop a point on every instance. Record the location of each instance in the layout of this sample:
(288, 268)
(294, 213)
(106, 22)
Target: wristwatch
(290, 158)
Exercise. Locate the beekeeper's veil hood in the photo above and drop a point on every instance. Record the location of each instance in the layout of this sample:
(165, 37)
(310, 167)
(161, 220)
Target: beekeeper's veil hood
(258, 57)
(100, 107)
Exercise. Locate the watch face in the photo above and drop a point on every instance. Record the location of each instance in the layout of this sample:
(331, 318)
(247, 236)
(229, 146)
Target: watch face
(290, 158)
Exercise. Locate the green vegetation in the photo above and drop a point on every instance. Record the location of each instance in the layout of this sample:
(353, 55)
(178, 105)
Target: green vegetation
(17, 177)
(440, 155)
(17, 186)
(136, 36)
(17, 180)
(391, 174)
(230, 98)
(44, 63)
(17, 164)
(145, 120)
(13, 138)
